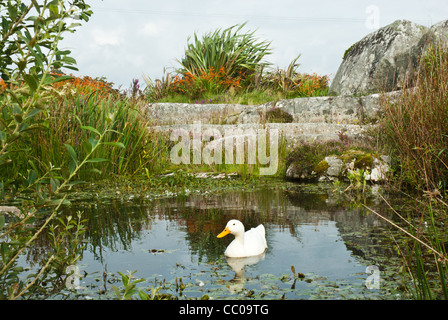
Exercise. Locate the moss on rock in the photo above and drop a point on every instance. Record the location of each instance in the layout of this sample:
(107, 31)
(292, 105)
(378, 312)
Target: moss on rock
(321, 168)
(364, 162)
(277, 115)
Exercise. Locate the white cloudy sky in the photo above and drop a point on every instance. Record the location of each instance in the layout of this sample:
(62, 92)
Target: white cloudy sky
(125, 39)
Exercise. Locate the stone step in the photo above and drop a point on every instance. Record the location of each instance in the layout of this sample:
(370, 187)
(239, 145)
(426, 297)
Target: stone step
(337, 109)
(293, 133)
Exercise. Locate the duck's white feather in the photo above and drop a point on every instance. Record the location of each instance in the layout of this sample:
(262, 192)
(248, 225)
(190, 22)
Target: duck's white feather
(246, 244)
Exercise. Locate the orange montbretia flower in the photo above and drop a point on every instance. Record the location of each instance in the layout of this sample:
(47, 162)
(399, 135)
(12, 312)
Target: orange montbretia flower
(189, 81)
(86, 85)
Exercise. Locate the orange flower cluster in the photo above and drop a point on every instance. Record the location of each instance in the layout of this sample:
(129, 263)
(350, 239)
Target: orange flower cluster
(85, 85)
(310, 83)
(205, 80)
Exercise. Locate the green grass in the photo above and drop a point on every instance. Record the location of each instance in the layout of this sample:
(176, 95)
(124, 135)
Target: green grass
(143, 149)
(254, 97)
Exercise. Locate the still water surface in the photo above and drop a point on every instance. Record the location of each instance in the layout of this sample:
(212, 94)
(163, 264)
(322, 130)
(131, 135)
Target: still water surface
(172, 244)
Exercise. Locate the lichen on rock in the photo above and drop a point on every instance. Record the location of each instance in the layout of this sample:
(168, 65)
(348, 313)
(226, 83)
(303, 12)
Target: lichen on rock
(382, 61)
(338, 167)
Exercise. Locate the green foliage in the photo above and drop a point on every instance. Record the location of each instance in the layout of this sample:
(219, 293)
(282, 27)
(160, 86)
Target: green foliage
(30, 35)
(129, 286)
(228, 67)
(239, 53)
(307, 156)
(28, 52)
(277, 115)
(127, 149)
(130, 289)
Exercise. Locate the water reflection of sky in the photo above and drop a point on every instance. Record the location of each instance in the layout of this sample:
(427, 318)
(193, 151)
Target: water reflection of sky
(176, 238)
(162, 249)
(319, 250)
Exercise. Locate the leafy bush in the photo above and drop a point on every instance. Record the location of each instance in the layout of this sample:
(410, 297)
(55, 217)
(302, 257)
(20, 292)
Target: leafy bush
(54, 129)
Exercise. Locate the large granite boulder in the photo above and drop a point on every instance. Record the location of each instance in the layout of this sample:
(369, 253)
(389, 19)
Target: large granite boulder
(381, 61)
(439, 33)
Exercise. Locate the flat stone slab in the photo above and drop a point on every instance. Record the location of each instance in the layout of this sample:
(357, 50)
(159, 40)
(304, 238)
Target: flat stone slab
(337, 109)
(293, 133)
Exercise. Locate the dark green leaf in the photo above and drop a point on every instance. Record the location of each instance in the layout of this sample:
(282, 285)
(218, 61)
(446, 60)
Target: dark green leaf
(93, 142)
(87, 146)
(90, 129)
(57, 79)
(72, 167)
(72, 183)
(115, 144)
(54, 184)
(72, 152)
(31, 81)
(32, 177)
(97, 160)
(57, 202)
(32, 113)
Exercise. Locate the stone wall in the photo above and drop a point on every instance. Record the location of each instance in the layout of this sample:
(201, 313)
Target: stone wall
(336, 109)
(316, 118)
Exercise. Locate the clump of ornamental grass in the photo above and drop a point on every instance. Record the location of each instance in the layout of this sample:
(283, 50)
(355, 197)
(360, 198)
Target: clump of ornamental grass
(229, 63)
(414, 129)
(240, 54)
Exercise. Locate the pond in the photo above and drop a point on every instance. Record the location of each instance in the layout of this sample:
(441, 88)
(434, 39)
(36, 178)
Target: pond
(321, 245)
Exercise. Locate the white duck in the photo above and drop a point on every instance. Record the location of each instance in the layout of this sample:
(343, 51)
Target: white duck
(245, 244)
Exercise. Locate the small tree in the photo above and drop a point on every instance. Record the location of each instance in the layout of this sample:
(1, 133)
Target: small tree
(29, 51)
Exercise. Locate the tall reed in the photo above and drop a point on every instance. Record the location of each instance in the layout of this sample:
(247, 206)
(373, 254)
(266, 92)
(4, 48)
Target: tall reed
(415, 130)
(415, 127)
(128, 150)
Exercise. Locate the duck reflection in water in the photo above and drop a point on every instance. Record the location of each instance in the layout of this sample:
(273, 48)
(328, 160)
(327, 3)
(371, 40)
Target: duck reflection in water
(238, 265)
(247, 248)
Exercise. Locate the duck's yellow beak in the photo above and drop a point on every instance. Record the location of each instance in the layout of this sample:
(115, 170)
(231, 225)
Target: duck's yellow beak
(224, 233)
